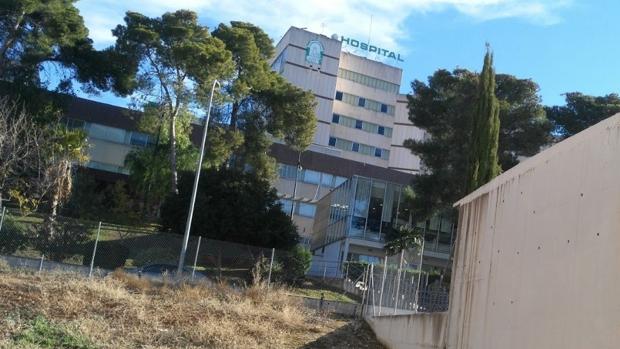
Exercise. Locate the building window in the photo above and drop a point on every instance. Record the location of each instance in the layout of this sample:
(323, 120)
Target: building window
(335, 118)
(358, 124)
(287, 171)
(306, 210)
(340, 180)
(365, 103)
(106, 133)
(75, 123)
(381, 130)
(286, 205)
(355, 147)
(139, 139)
(327, 180)
(278, 64)
(378, 152)
(385, 154)
(312, 177)
(368, 80)
(332, 141)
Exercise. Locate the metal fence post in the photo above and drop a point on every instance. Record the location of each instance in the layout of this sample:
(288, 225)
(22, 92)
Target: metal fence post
(324, 270)
(364, 288)
(372, 290)
(92, 258)
(273, 252)
(400, 270)
(382, 283)
(196, 257)
(346, 276)
(2, 217)
(41, 263)
(417, 289)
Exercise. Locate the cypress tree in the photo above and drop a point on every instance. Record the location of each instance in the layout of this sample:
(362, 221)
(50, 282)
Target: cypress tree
(484, 164)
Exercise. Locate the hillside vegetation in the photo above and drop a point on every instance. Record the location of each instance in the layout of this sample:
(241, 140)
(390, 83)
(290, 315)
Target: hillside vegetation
(65, 311)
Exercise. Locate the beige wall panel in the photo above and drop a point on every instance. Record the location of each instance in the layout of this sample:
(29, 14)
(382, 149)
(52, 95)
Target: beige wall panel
(360, 136)
(401, 158)
(537, 262)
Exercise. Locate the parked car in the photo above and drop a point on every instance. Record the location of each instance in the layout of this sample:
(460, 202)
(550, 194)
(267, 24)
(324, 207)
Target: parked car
(159, 271)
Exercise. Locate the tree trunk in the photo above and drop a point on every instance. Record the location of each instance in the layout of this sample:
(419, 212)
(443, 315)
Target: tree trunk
(9, 41)
(173, 155)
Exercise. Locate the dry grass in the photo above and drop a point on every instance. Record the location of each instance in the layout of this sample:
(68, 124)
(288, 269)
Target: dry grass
(123, 312)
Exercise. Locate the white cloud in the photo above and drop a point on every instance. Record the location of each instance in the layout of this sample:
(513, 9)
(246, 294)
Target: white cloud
(349, 17)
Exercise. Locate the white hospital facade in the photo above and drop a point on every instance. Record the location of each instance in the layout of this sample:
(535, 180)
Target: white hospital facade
(362, 122)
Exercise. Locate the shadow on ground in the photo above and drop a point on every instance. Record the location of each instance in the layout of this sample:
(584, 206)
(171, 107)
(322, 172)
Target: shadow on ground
(355, 334)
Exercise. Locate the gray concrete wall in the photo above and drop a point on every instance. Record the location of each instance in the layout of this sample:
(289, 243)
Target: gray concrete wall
(416, 331)
(537, 262)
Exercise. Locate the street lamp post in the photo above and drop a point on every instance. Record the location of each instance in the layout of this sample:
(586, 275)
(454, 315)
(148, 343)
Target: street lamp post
(190, 214)
(295, 185)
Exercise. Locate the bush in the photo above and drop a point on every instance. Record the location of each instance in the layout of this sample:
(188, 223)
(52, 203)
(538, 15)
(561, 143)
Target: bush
(295, 264)
(59, 239)
(12, 236)
(110, 254)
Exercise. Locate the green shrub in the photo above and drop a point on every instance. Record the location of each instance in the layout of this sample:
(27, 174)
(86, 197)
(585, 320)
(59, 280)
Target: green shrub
(12, 236)
(110, 254)
(295, 264)
(42, 333)
(60, 239)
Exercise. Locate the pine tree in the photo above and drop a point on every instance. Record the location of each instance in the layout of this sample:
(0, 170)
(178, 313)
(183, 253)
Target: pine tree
(484, 164)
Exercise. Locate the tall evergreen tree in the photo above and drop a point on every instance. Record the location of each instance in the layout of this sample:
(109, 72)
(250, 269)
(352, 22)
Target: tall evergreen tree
(483, 165)
(444, 107)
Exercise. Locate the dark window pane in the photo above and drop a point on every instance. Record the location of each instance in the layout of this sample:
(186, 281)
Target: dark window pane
(339, 95)
(335, 118)
(139, 139)
(358, 124)
(384, 108)
(332, 141)
(381, 130)
(361, 102)
(355, 147)
(378, 152)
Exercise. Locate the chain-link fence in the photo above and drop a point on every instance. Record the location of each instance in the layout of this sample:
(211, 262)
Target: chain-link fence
(43, 243)
(390, 287)
(392, 290)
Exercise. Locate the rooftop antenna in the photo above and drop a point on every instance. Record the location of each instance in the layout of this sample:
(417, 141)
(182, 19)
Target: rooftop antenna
(369, 35)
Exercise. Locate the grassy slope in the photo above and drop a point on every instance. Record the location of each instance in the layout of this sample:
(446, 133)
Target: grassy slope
(120, 312)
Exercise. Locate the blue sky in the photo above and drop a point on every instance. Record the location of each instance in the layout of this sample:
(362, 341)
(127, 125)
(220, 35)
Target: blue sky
(563, 45)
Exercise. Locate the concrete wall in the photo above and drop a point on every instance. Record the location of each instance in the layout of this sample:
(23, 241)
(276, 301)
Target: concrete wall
(537, 263)
(416, 331)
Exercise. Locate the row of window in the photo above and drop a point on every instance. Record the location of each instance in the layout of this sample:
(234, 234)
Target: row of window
(310, 176)
(368, 80)
(107, 167)
(370, 150)
(111, 134)
(301, 208)
(361, 125)
(365, 103)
